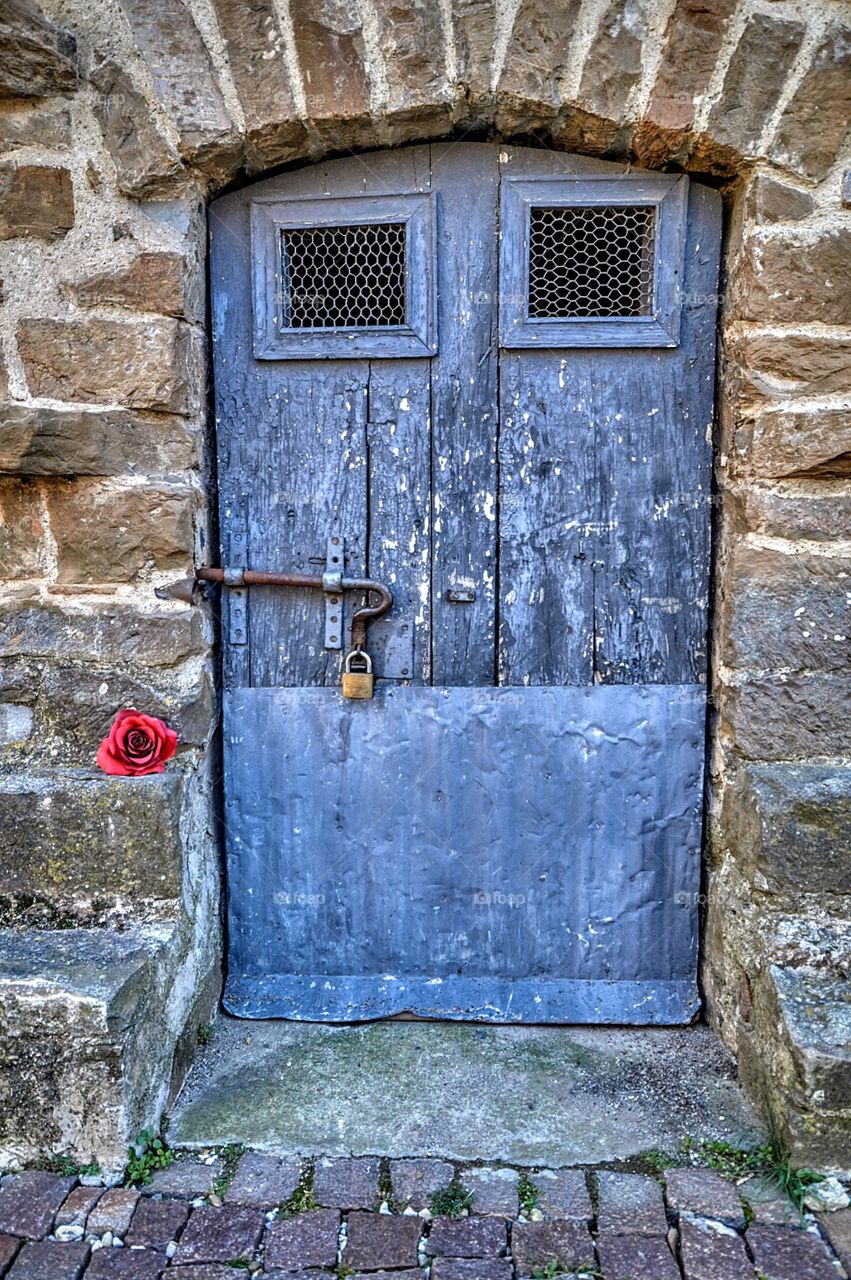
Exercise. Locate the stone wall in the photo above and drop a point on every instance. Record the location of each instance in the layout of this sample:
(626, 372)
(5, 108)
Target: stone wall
(118, 120)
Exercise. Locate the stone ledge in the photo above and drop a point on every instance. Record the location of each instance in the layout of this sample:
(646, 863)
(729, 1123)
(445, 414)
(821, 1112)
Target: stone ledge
(89, 1020)
(70, 835)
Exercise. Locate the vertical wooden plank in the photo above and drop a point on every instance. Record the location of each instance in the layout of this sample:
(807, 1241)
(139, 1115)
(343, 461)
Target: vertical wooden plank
(399, 549)
(548, 508)
(654, 425)
(464, 414)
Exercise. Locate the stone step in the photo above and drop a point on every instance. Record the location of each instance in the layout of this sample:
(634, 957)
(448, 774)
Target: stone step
(90, 1021)
(553, 1096)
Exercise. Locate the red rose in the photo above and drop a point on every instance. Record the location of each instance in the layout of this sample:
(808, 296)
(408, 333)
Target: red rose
(136, 744)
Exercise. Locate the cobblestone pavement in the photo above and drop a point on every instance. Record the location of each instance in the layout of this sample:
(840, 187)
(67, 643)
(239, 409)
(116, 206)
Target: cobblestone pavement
(208, 1219)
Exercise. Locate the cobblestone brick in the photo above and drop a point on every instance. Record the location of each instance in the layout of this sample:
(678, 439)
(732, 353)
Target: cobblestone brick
(156, 1223)
(113, 1211)
(705, 1193)
(125, 1264)
(769, 1206)
(263, 1181)
(636, 1257)
(837, 1228)
(466, 1238)
(306, 1240)
(382, 1240)
(563, 1193)
(414, 1182)
(221, 1271)
(783, 1253)
(8, 1249)
(347, 1184)
(630, 1204)
(220, 1234)
(539, 1244)
(712, 1251)
(77, 1207)
(187, 1180)
(467, 1269)
(44, 1260)
(495, 1191)
(30, 1201)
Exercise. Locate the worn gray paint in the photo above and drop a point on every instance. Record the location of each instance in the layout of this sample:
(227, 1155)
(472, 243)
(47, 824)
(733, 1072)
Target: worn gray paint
(510, 854)
(569, 490)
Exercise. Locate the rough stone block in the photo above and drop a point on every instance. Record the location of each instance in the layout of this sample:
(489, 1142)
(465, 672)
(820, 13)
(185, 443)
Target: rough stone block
(464, 1269)
(466, 1238)
(264, 1181)
(80, 442)
(224, 1234)
(747, 100)
(73, 836)
(797, 513)
(347, 1183)
(637, 1256)
(794, 280)
(789, 821)
(108, 534)
(143, 156)
(534, 59)
(494, 1191)
(816, 1020)
(815, 120)
(8, 1248)
(411, 41)
(116, 633)
(704, 1193)
(781, 1254)
(257, 59)
(36, 201)
(780, 367)
(37, 58)
(837, 1227)
(76, 1005)
(156, 1223)
(30, 1201)
(414, 1182)
(113, 1211)
(786, 611)
(770, 200)
(29, 126)
(185, 1179)
(305, 1240)
(22, 531)
(779, 443)
(788, 717)
(331, 51)
(563, 1193)
(711, 1251)
(125, 1264)
(538, 1245)
(615, 58)
(77, 1207)
(692, 42)
(46, 1260)
(143, 364)
(379, 1241)
(152, 282)
(630, 1204)
(184, 79)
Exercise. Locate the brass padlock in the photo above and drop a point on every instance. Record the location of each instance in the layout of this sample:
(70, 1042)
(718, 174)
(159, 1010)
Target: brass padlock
(358, 683)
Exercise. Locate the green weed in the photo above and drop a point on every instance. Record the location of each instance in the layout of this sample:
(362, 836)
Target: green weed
(451, 1201)
(528, 1193)
(148, 1154)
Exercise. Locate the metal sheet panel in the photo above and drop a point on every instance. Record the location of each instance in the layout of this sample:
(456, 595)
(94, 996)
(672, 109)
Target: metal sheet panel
(500, 854)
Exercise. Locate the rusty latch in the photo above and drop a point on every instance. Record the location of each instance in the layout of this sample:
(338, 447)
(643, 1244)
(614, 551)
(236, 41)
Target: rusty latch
(187, 589)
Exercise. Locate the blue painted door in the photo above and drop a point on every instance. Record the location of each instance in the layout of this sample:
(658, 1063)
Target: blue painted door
(489, 371)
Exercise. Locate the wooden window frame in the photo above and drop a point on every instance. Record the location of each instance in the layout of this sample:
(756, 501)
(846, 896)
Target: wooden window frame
(659, 329)
(273, 341)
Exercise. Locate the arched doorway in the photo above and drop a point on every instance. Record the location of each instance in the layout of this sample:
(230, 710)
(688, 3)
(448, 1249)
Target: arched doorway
(486, 372)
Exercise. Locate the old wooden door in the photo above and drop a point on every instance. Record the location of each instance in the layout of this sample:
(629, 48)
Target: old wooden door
(489, 373)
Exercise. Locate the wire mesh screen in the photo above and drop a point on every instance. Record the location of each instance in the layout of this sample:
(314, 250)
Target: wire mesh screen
(343, 277)
(591, 261)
